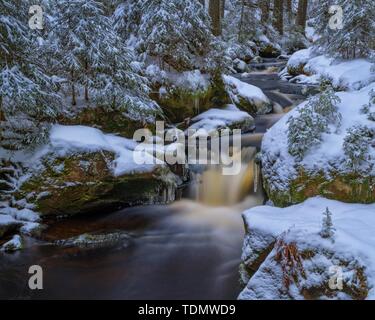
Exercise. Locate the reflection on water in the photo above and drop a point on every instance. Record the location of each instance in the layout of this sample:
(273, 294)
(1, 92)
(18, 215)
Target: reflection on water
(188, 250)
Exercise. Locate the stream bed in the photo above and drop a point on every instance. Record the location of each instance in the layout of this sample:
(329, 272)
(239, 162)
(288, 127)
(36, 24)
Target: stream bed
(188, 250)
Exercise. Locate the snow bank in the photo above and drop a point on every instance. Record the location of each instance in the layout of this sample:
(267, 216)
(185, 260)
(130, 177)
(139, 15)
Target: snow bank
(351, 74)
(354, 237)
(329, 154)
(68, 139)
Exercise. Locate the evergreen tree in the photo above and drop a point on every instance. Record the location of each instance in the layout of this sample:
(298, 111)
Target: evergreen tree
(356, 145)
(176, 32)
(355, 38)
(94, 57)
(306, 129)
(328, 230)
(28, 101)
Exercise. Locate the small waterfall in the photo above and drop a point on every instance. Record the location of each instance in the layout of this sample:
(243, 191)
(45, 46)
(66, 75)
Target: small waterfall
(212, 188)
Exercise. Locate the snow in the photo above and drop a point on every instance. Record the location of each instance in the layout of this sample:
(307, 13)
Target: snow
(216, 119)
(348, 74)
(239, 89)
(67, 139)
(13, 245)
(193, 80)
(299, 57)
(354, 235)
(21, 214)
(6, 220)
(325, 155)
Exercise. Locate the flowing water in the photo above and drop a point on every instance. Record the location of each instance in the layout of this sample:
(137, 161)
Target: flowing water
(188, 250)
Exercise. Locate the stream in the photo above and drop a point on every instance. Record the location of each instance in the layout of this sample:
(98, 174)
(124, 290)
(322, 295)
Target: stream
(190, 249)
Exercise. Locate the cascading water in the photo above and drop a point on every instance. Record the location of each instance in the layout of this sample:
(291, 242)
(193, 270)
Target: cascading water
(210, 187)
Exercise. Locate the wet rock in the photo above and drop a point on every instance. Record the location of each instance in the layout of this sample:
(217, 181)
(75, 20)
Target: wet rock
(8, 225)
(12, 245)
(180, 103)
(85, 182)
(96, 240)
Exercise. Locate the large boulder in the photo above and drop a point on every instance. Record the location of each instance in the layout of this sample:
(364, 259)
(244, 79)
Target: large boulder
(230, 117)
(298, 61)
(83, 170)
(288, 255)
(247, 97)
(85, 182)
(338, 163)
(189, 94)
(268, 49)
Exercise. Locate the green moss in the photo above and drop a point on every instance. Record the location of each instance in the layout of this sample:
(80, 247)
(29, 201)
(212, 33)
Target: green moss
(349, 188)
(86, 188)
(179, 103)
(109, 121)
(297, 70)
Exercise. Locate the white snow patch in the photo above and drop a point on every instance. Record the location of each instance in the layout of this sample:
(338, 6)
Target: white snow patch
(354, 235)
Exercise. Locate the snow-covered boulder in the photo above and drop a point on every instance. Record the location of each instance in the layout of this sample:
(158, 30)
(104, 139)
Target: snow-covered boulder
(297, 62)
(247, 97)
(13, 245)
(239, 65)
(268, 49)
(286, 257)
(308, 68)
(216, 119)
(306, 154)
(83, 170)
(185, 95)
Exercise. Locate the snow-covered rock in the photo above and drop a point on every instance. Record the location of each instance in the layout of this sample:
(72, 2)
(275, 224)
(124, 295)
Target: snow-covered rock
(343, 74)
(84, 170)
(216, 119)
(284, 256)
(326, 169)
(247, 97)
(297, 62)
(13, 245)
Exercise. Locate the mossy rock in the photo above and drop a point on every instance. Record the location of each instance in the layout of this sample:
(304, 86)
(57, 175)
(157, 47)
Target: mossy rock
(179, 104)
(350, 188)
(84, 183)
(297, 70)
(109, 121)
(267, 50)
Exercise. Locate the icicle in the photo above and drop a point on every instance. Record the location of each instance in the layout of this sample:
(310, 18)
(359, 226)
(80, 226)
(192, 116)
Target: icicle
(256, 176)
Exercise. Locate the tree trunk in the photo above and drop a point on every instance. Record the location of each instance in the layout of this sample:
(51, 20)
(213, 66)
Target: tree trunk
(222, 9)
(278, 15)
(240, 27)
(215, 14)
(302, 14)
(289, 8)
(2, 117)
(265, 8)
(74, 101)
